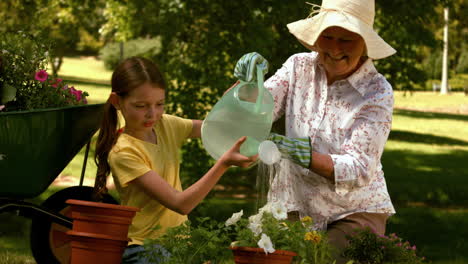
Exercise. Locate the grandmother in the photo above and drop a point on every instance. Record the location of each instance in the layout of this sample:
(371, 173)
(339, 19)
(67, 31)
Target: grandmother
(335, 98)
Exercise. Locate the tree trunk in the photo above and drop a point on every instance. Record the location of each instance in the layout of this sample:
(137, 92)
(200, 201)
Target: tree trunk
(444, 85)
(121, 46)
(56, 64)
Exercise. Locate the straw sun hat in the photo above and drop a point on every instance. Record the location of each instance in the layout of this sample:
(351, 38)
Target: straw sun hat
(354, 15)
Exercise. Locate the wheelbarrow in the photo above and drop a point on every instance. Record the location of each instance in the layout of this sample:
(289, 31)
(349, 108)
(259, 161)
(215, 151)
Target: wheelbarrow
(35, 146)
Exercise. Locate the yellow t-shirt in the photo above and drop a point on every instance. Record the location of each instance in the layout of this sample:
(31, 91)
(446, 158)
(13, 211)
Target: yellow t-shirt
(131, 158)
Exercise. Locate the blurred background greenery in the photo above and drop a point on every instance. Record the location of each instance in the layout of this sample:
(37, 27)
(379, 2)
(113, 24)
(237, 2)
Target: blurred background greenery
(197, 44)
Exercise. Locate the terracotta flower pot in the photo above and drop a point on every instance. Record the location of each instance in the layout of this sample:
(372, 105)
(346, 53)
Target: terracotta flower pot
(253, 255)
(101, 218)
(95, 248)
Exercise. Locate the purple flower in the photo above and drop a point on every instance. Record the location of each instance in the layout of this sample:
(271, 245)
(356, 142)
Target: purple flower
(41, 76)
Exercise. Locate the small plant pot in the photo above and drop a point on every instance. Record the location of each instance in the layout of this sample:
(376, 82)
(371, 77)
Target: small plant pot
(101, 218)
(95, 248)
(251, 255)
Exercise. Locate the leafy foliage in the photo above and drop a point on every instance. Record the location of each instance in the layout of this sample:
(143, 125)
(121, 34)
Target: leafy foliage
(311, 246)
(366, 247)
(462, 66)
(72, 26)
(110, 53)
(207, 241)
(22, 54)
(210, 240)
(24, 85)
(201, 41)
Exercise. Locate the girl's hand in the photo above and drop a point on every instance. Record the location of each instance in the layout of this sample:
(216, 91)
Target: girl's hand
(232, 157)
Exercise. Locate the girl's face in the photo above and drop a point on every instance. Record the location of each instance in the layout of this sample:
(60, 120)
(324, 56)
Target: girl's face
(340, 51)
(142, 108)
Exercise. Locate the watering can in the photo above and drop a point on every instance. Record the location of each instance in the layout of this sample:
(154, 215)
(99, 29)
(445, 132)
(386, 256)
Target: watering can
(245, 110)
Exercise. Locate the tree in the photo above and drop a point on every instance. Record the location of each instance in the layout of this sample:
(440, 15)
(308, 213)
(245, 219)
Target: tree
(457, 34)
(444, 85)
(72, 25)
(408, 30)
(203, 39)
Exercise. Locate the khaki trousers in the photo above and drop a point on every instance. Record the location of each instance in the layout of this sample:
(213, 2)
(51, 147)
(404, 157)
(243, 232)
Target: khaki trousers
(338, 230)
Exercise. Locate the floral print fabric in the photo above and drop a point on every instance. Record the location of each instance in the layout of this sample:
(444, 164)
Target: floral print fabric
(349, 120)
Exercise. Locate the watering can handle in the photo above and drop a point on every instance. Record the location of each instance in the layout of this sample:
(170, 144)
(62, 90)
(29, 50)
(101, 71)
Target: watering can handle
(261, 89)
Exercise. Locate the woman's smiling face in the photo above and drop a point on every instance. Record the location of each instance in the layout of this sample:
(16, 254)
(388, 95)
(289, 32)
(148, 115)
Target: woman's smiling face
(340, 51)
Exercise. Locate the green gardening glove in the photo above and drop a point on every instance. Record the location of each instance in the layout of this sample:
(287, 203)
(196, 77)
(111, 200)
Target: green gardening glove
(246, 69)
(298, 150)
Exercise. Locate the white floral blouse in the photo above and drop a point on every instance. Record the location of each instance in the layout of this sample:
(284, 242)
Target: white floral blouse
(350, 120)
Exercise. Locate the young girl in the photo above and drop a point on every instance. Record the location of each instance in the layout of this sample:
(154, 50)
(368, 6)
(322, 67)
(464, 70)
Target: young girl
(143, 156)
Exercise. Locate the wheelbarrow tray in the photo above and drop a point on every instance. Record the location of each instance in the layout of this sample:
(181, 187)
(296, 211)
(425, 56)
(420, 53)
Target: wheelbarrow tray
(35, 146)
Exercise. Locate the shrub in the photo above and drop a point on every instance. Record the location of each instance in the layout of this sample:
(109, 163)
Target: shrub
(143, 47)
(462, 66)
(366, 247)
(24, 84)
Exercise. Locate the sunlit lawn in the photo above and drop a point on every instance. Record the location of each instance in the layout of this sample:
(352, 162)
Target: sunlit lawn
(455, 102)
(425, 163)
(85, 67)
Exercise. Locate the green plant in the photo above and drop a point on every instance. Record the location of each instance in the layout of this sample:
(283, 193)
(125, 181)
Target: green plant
(208, 240)
(462, 65)
(366, 247)
(269, 229)
(111, 53)
(24, 84)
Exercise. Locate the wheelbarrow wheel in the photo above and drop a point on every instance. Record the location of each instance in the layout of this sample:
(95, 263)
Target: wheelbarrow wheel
(49, 242)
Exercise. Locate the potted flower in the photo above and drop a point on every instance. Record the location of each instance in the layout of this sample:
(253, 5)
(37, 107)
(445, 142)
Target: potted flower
(270, 235)
(43, 120)
(24, 83)
(44, 123)
(267, 237)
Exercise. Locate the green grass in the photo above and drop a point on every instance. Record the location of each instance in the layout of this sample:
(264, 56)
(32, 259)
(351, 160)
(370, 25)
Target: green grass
(424, 163)
(423, 157)
(439, 234)
(85, 67)
(455, 102)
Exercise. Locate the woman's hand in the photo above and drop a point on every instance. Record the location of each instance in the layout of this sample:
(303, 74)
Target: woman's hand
(233, 157)
(298, 150)
(246, 67)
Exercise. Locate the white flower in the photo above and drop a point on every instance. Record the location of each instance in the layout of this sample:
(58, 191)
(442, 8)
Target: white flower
(256, 228)
(265, 209)
(265, 243)
(279, 211)
(234, 243)
(234, 218)
(256, 218)
(255, 224)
